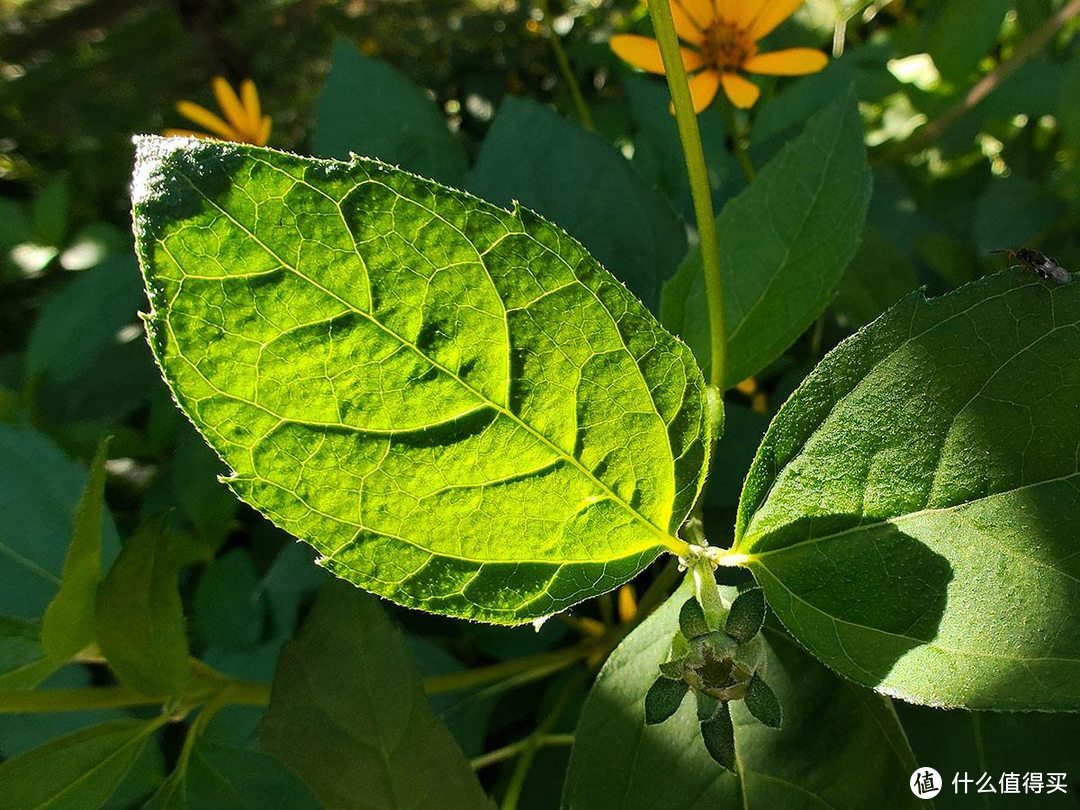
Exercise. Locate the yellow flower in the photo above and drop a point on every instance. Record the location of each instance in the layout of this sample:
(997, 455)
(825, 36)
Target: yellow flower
(243, 122)
(723, 37)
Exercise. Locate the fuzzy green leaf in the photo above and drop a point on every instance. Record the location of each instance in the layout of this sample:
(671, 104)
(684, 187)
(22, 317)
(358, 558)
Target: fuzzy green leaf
(456, 405)
(77, 771)
(784, 244)
(349, 716)
(692, 619)
(840, 746)
(140, 619)
(911, 511)
(69, 620)
(718, 734)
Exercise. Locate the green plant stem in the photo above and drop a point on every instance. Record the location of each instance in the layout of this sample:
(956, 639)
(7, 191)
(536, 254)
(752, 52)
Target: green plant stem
(738, 143)
(565, 68)
(513, 749)
(700, 190)
(25, 701)
(543, 664)
(531, 743)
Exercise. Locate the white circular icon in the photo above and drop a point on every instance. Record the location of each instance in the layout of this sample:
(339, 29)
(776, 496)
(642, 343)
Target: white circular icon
(925, 783)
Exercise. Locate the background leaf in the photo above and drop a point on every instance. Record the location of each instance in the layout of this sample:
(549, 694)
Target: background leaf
(223, 778)
(39, 487)
(140, 620)
(840, 746)
(589, 189)
(907, 511)
(348, 714)
(368, 107)
(23, 663)
(784, 244)
(69, 620)
(77, 771)
(490, 426)
(963, 33)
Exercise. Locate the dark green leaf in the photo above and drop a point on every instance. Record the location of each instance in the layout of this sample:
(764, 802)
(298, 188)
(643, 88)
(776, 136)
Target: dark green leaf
(784, 244)
(590, 190)
(746, 616)
(909, 511)
(80, 321)
(1012, 212)
(349, 716)
(878, 277)
(380, 328)
(51, 211)
(962, 34)
(140, 620)
(69, 620)
(77, 771)
(841, 746)
(39, 488)
(23, 663)
(995, 743)
(229, 610)
(663, 699)
(369, 108)
(762, 702)
(225, 778)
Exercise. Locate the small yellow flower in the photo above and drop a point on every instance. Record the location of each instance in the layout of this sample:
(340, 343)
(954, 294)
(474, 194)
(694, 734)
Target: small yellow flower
(723, 37)
(243, 122)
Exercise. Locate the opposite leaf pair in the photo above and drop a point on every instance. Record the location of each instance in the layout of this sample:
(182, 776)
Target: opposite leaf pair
(719, 666)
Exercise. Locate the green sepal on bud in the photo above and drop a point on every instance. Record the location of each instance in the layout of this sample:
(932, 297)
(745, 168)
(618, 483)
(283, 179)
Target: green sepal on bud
(663, 699)
(762, 702)
(746, 616)
(692, 622)
(718, 733)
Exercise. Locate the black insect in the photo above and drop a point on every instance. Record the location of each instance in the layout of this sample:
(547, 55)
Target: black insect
(1038, 263)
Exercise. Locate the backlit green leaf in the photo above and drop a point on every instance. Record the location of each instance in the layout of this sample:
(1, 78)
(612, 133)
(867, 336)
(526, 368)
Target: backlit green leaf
(456, 405)
(140, 620)
(349, 716)
(69, 620)
(784, 244)
(910, 511)
(963, 33)
(77, 771)
(840, 745)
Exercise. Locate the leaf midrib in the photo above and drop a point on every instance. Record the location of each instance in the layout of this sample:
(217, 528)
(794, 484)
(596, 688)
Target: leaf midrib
(672, 543)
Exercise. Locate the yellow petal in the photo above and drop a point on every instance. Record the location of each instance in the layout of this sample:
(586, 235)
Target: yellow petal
(702, 12)
(740, 12)
(790, 62)
(249, 94)
(204, 118)
(264, 131)
(771, 14)
(688, 29)
(627, 601)
(703, 89)
(742, 92)
(230, 105)
(644, 53)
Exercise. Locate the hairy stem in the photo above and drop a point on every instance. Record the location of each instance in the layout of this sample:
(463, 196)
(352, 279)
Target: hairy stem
(699, 185)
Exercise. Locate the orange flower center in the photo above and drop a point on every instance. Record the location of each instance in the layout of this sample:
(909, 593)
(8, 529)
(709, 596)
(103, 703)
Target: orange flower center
(726, 46)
